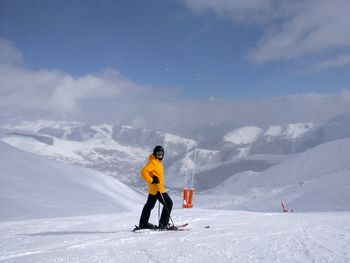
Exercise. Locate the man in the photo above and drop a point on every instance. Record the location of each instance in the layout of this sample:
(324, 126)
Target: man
(153, 173)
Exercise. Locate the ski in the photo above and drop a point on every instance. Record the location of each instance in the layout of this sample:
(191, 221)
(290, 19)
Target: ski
(180, 227)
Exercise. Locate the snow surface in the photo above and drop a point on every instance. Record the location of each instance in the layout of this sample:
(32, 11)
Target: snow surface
(233, 236)
(54, 212)
(35, 187)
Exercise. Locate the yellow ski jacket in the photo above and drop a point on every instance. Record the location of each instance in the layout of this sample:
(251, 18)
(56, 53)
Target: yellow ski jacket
(154, 167)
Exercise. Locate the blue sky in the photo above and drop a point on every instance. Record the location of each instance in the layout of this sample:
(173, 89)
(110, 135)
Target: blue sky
(158, 43)
(191, 50)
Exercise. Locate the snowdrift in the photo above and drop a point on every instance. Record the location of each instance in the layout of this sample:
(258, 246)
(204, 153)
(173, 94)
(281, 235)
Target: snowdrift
(316, 180)
(34, 187)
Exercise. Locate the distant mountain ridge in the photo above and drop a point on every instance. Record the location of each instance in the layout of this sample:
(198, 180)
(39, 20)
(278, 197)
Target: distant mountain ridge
(121, 151)
(274, 140)
(117, 150)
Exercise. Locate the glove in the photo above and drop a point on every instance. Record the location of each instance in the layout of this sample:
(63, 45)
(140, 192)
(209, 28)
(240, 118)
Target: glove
(155, 180)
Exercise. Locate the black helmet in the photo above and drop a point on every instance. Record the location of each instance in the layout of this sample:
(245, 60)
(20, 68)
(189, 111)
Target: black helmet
(158, 152)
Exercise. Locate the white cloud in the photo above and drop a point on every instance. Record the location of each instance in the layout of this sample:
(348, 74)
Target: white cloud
(291, 28)
(191, 117)
(50, 91)
(110, 97)
(239, 10)
(315, 27)
(340, 60)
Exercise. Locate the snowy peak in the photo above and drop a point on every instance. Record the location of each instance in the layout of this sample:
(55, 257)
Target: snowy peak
(249, 140)
(243, 135)
(289, 131)
(252, 134)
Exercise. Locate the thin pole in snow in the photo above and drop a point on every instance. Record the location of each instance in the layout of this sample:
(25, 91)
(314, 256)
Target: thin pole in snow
(185, 184)
(279, 195)
(194, 166)
(186, 171)
(158, 212)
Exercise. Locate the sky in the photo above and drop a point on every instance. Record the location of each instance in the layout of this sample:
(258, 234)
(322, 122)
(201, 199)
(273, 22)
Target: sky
(164, 63)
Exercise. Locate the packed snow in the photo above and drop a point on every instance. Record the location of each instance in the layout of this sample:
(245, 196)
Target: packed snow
(55, 212)
(232, 236)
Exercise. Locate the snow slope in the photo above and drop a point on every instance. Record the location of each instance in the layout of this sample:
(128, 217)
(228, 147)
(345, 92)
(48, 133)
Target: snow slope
(316, 180)
(334, 129)
(233, 236)
(32, 186)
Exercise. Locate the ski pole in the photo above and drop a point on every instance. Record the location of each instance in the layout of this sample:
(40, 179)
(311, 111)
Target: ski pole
(158, 211)
(166, 206)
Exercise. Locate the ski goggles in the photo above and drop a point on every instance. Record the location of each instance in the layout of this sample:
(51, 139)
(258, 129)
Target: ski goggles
(160, 154)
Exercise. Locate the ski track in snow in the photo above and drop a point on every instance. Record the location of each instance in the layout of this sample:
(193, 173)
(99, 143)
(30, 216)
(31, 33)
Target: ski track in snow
(233, 236)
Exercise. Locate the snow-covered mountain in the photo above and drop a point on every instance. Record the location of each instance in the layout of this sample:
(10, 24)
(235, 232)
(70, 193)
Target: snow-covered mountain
(285, 139)
(118, 151)
(273, 140)
(32, 186)
(251, 134)
(316, 180)
(243, 135)
(334, 129)
(121, 151)
(241, 149)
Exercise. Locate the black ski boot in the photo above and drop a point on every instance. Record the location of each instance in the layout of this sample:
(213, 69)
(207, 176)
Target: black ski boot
(150, 226)
(168, 227)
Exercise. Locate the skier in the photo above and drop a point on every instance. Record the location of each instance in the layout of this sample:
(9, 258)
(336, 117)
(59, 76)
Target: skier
(153, 173)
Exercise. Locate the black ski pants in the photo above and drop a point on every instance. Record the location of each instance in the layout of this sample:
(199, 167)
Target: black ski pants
(151, 201)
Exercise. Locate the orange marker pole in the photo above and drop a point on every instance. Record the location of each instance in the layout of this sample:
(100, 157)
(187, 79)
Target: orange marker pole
(185, 198)
(190, 198)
